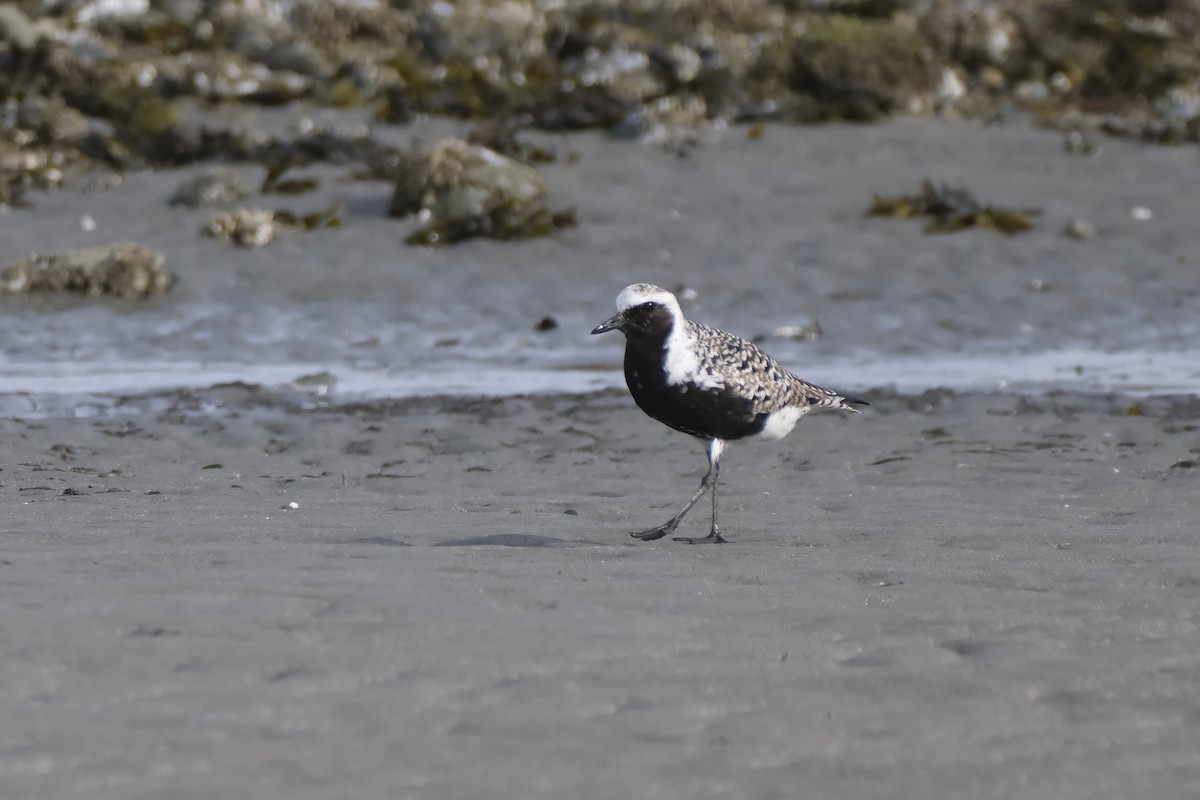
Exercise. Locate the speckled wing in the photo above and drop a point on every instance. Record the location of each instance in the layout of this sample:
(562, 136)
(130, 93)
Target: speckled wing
(751, 373)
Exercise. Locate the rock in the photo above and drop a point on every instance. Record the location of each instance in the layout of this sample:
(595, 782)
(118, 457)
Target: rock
(93, 11)
(127, 270)
(1079, 141)
(809, 332)
(1080, 229)
(213, 188)
(468, 190)
(16, 28)
(680, 63)
(950, 89)
(466, 29)
(255, 227)
(464, 181)
(245, 227)
(628, 74)
(50, 120)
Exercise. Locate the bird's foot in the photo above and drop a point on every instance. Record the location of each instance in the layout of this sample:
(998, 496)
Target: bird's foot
(712, 538)
(656, 533)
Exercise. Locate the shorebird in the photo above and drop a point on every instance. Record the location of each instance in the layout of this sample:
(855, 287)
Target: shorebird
(707, 383)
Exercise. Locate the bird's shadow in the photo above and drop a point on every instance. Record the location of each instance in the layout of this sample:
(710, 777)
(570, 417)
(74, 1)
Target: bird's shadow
(507, 540)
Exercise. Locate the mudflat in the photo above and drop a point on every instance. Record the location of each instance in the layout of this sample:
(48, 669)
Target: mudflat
(952, 595)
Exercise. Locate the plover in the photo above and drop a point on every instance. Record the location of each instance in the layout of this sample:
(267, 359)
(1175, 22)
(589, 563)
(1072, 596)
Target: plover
(707, 383)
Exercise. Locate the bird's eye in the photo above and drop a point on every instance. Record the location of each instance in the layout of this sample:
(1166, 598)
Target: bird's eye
(649, 306)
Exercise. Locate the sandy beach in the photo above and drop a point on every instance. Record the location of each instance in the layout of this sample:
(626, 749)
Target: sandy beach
(971, 596)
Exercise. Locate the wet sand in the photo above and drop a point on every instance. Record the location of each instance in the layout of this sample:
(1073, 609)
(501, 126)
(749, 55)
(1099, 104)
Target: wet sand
(969, 596)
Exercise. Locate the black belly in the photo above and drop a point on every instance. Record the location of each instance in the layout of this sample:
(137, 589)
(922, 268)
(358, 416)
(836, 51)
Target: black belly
(707, 413)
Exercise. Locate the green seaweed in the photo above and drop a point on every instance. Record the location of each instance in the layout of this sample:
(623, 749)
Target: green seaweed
(343, 93)
(951, 210)
(330, 217)
(152, 116)
(273, 182)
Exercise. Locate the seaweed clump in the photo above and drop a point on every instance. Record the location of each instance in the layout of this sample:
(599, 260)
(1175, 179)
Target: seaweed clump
(952, 209)
(465, 190)
(128, 270)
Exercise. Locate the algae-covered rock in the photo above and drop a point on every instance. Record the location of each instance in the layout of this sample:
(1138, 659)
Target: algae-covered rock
(127, 270)
(116, 83)
(859, 69)
(468, 190)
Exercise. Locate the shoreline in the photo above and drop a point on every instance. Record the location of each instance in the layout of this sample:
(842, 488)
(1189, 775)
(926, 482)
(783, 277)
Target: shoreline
(54, 389)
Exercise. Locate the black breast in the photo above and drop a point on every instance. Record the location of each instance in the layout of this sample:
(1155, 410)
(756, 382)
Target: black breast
(707, 413)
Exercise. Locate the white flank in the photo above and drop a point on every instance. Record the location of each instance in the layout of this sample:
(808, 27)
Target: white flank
(780, 423)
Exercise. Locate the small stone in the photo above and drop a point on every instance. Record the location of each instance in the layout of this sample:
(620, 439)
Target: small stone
(1080, 229)
(212, 188)
(800, 333)
(245, 227)
(1079, 142)
(680, 63)
(318, 384)
(546, 324)
(950, 89)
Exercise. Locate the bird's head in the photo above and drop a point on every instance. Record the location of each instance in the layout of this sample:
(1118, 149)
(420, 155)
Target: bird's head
(643, 309)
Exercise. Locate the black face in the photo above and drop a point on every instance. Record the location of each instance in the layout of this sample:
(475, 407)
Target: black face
(646, 319)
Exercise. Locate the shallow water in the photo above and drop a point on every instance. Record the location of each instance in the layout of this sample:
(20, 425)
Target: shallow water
(100, 388)
(755, 245)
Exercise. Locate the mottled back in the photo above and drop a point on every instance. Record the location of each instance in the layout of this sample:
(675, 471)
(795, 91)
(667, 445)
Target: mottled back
(743, 367)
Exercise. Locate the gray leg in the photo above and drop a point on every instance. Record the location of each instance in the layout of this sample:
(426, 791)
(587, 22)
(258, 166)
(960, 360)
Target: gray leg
(709, 480)
(714, 536)
(673, 523)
